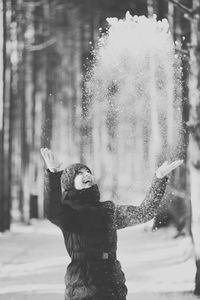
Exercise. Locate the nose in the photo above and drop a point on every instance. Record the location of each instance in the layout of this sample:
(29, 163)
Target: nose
(87, 176)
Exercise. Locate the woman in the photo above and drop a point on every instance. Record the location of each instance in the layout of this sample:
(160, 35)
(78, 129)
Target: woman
(89, 227)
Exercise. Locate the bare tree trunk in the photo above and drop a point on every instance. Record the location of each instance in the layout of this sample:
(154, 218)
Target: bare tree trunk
(180, 28)
(42, 114)
(5, 155)
(23, 140)
(27, 138)
(194, 144)
(2, 41)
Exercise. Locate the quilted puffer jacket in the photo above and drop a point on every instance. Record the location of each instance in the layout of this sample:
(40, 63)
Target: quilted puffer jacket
(90, 228)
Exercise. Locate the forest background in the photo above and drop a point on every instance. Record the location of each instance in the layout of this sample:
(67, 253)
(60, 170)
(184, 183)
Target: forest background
(45, 51)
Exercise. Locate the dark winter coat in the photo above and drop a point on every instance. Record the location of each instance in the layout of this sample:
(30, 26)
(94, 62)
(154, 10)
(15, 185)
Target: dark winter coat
(90, 233)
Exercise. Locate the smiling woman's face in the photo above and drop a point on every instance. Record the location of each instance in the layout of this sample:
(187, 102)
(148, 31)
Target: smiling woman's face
(83, 180)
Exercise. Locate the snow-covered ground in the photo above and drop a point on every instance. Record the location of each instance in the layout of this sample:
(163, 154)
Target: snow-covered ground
(33, 262)
(156, 265)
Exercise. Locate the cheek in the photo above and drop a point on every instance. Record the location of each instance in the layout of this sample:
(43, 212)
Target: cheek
(78, 181)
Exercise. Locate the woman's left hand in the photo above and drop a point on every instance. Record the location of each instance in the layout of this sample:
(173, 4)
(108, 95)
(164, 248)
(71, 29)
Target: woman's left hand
(167, 167)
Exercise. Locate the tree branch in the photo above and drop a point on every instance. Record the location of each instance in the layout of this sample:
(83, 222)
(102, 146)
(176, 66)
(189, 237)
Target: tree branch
(182, 7)
(33, 3)
(189, 13)
(41, 46)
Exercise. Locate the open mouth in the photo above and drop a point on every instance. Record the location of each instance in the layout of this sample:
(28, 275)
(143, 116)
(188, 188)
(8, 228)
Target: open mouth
(87, 181)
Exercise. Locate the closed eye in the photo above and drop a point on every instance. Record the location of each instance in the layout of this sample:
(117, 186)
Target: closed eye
(80, 172)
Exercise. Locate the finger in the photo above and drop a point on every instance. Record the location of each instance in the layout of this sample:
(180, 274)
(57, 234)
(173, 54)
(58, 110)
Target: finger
(180, 161)
(176, 163)
(45, 151)
(173, 166)
(42, 151)
(43, 154)
(51, 156)
(48, 151)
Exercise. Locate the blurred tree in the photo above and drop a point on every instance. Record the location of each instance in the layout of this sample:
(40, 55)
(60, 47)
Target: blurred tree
(43, 66)
(160, 8)
(27, 106)
(21, 125)
(5, 110)
(2, 24)
(180, 28)
(194, 141)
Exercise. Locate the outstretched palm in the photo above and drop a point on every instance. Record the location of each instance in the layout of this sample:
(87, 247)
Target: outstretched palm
(167, 167)
(53, 164)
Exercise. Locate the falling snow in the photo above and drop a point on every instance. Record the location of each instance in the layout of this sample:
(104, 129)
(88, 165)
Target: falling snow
(134, 89)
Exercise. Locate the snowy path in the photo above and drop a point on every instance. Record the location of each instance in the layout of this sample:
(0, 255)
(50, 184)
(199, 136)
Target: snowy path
(33, 262)
(156, 265)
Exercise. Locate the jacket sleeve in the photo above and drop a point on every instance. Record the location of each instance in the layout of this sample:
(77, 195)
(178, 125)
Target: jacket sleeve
(52, 197)
(129, 215)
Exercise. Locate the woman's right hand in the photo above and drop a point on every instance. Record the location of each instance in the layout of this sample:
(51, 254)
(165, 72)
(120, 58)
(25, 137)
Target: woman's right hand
(51, 161)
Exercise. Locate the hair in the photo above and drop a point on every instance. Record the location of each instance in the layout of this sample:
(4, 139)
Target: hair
(69, 173)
